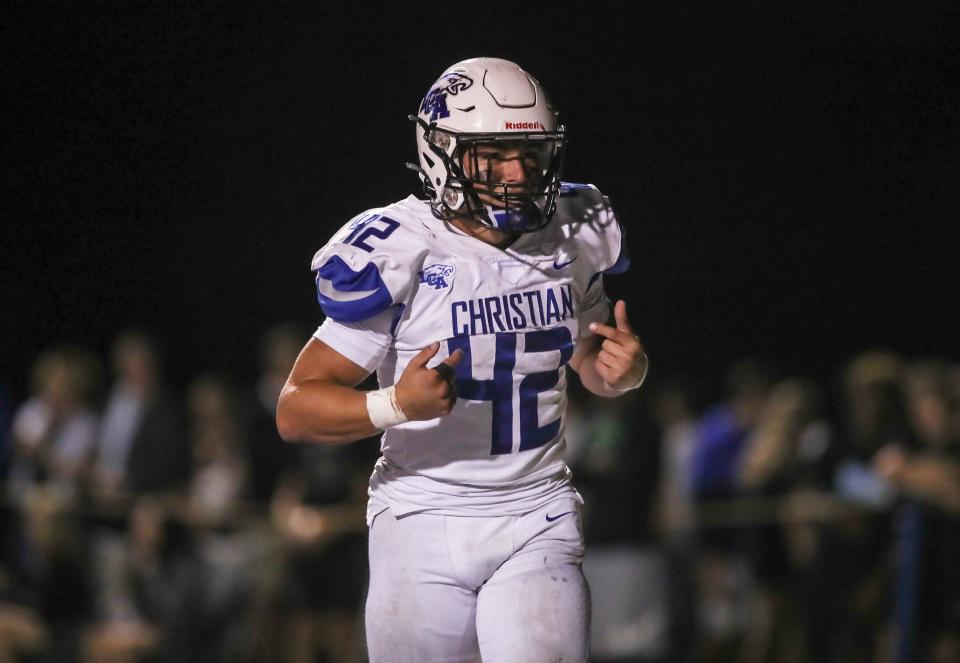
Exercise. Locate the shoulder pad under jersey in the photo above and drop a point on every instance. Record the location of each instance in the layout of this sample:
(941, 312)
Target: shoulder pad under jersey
(590, 219)
(365, 268)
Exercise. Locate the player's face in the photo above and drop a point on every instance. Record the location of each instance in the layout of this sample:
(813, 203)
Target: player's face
(493, 165)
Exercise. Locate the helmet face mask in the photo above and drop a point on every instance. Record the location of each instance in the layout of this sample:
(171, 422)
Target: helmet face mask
(490, 147)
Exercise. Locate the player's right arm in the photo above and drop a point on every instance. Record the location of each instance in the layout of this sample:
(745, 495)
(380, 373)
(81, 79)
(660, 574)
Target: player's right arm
(320, 401)
(363, 276)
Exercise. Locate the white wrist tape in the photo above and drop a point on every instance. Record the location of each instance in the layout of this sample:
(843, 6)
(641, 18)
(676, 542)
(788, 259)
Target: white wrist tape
(383, 408)
(646, 368)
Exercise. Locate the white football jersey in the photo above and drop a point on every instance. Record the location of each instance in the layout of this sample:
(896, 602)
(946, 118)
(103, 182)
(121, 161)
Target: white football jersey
(396, 279)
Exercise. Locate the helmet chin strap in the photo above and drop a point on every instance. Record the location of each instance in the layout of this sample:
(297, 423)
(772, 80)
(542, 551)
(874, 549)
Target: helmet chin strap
(514, 220)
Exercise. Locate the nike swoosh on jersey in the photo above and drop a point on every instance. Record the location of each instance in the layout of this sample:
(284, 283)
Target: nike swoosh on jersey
(550, 518)
(561, 265)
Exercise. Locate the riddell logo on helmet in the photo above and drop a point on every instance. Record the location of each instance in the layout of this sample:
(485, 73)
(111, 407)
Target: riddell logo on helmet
(523, 125)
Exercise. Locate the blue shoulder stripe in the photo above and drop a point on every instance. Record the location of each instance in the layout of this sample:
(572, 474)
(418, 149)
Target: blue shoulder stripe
(571, 188)
(623, 261)
(349, 296)
(619, 267)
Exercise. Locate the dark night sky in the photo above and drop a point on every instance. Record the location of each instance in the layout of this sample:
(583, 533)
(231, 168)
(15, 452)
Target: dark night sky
(788, 177)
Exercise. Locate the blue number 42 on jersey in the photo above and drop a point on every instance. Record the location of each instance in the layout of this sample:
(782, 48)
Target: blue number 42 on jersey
(499, 390)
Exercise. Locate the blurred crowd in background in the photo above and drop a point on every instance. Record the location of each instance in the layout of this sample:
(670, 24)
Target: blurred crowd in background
(775, 519)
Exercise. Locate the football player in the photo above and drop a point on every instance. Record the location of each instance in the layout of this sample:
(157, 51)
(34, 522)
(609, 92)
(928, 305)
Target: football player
(470, 305)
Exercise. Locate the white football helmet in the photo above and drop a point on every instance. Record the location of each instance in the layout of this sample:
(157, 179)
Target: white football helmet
(489, 111)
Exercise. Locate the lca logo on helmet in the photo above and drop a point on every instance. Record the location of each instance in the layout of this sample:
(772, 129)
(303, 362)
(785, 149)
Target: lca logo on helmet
(436, 276)
(435, 102)
(456, 83)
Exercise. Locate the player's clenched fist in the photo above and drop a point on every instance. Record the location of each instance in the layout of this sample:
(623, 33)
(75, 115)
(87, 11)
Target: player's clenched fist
(426, 393)
(621, 361)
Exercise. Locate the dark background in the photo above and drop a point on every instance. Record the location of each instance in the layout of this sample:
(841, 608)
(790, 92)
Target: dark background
(787, 175)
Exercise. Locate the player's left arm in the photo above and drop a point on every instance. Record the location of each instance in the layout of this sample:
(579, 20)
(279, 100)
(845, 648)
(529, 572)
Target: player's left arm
(612, 360)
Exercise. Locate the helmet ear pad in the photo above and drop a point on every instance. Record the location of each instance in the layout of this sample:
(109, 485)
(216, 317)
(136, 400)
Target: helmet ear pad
(487, 100)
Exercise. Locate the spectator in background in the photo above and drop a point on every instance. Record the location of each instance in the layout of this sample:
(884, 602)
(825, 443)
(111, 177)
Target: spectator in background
(616, 465)
(271, 457)
(788, 457)
(45, 556)
(20, 628)
(164, 582)
(722, 572)
(231, 553)
(614, 457)
(53, 569)
(142, 448)
(673, 410)
(791, 444)
(177, 586)
(54, 431)
(852, 569)
(928, 478)
(874, 416)
(317, 511)
(22, 631)
(724, 430)
(927, 472)
(218, 484)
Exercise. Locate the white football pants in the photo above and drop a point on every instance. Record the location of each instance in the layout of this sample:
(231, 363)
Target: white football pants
(450, 589)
